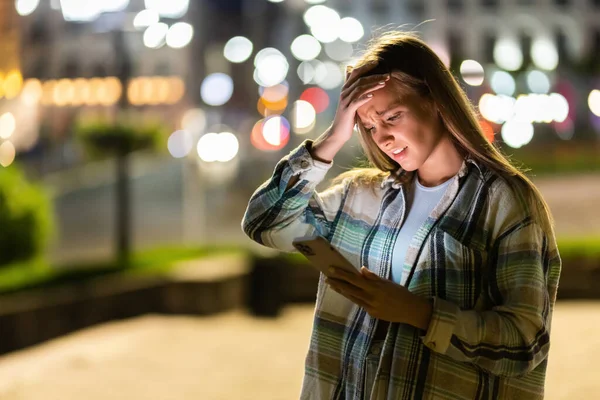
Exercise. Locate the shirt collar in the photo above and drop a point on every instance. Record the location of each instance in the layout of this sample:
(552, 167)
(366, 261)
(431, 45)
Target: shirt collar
(394, 176)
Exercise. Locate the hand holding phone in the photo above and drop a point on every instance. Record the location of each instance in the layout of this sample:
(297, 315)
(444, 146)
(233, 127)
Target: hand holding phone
(322, 254)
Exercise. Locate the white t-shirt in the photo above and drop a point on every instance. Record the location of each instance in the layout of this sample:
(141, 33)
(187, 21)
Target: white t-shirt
(421, 200)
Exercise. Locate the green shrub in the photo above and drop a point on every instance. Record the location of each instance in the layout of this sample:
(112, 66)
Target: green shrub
(130, 132)
(26, 221)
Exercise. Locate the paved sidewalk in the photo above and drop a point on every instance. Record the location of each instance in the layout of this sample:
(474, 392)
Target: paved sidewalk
(234, 356)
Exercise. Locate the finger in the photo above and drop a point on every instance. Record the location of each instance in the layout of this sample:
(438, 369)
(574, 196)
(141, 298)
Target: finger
(356, 300)
(363, 84)
(351, 97)
(367, 273)
(349, 287)
(355, 279)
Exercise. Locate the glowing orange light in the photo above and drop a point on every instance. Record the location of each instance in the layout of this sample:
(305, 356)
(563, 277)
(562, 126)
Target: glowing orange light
(176, 89)
(488, 130)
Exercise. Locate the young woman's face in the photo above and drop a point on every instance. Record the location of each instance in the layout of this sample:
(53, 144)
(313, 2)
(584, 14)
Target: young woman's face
(395, 124)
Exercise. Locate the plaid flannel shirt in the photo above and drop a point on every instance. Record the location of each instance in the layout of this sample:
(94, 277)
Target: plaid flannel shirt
(490, 270)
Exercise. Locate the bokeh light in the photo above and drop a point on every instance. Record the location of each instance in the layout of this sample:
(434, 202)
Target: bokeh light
(332, 78)
(168, 8)
(350, 30)
(194, 121)
(271, 67)
(339, 50)
(7, 125)
(594, 102)
(145, 18)
(48, 92)
(216, 89)
(155, 90)
(306, 72)
(305, 47)
(324, 23)
(488, 130)
(266, 108)
(222, 147)
(559, 107)
(179, 35)
(238, 49)
(496, 109)
(63, 92)
(508, 55)
(565, 129)
(317, 97)
(155, 35)
(12, 84)
(544, 54)
(180, 143)
(276, 130)
(538, 82)
(273, 94)
(26, 7)
(32, 92)
(472, 72)
(257, 138)
(303, 117)
(517, 133)
(80, 11)
(7, 153)
(81, 92)
(503, 83)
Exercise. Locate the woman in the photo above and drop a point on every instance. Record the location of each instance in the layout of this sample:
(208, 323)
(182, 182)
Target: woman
(459, 264)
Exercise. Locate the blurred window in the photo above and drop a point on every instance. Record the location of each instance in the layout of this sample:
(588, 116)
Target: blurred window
(70, 68)
(526, 42)
(99, 71)
(455, 46)
(38, 34)
(561, 45)
(489, 4)
(455, 6)
(415, 7)
(489, 41)
(379, 7)
(162, 69)
(596, 49)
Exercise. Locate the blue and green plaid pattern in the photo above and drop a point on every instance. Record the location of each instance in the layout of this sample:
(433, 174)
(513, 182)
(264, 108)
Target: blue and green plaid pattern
(490, 270)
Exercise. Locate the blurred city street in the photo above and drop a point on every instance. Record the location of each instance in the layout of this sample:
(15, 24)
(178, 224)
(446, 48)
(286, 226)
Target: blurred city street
(159, 216)
(236, 356)
(134, 132)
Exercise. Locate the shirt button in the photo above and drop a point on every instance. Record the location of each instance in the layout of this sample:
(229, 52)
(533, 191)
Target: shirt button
(304, 164)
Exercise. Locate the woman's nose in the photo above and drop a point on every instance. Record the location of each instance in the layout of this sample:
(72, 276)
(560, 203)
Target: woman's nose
(385, 139)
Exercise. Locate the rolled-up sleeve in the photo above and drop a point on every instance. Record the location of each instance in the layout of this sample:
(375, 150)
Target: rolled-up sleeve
(277, 214)
(513, 337)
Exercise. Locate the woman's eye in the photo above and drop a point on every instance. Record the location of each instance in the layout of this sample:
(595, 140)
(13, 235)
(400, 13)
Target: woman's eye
(394, 117)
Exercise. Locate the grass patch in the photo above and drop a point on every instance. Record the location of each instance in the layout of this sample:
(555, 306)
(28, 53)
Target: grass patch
(159, 261)
(39, 274)
(572, 247)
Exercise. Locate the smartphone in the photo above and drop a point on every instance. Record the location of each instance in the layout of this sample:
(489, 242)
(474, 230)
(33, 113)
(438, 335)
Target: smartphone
(322, 254)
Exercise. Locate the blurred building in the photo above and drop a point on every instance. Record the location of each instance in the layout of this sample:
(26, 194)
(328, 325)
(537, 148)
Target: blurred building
(9, 45)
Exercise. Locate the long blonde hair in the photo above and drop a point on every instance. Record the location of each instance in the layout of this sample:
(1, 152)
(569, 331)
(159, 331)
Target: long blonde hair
(417, 70)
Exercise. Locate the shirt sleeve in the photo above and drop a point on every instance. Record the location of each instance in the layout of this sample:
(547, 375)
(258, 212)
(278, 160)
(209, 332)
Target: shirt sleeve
(275, 216)
(513, 337)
